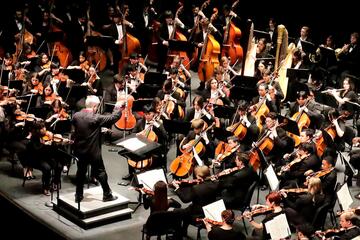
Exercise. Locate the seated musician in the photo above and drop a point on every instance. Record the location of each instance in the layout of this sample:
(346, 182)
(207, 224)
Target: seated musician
(167, 93)
(43, 66)
(227, 154)
(34, 86)
(115, 90)
(344, 133)
(348, 221)
(249, 122)
(93, 82)
(236, 184)
(43, 155)
(80, 63)
(327, 175)
(196, 111)
(355, 161)
(142, 125)
(225, 63)
(306, 204)
(302, 106)
(273, 208)
(199, 195)
(264, 96)
(215, 92)
(57, 112)
(133, 80)
(198, 126)
(306, 159)
(139, 65)
(282, 142)
(160, 200)
(183, 72)
(346, 97)
(178, 81)
(225, 231)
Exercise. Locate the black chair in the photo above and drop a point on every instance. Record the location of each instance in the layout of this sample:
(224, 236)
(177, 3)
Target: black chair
(163, 223)
(332, 202)
(320, 216)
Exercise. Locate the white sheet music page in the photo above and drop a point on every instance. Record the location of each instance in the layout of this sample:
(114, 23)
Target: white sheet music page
(344, 197)
(133, 144)
(278, 227)
(213, 210)
(149, 178)
(272, 178)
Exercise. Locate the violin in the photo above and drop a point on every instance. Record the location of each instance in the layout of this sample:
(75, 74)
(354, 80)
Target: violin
(295, 190)
(318, 174)
(188, 182)
(258, 211)
(356, 211)
(208, 220)
(85, 66)
(22, 116)
(330, 232)
(144, 190)
(50, 138)
(225, 172)
(293, 162)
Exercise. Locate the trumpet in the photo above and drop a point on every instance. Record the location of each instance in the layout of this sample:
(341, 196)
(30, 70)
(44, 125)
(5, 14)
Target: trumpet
(330, 90)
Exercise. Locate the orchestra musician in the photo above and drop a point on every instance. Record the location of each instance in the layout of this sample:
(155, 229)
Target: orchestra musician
(214, 92)
(160, 200)
(227, 154)
(273, 200)
(235, 185)
(306, 204)
(225, 231)
(348, 221)
(199, 195)
(169, 93)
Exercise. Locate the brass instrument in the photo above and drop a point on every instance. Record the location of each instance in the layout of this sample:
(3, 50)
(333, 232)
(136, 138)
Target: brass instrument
(339, 51)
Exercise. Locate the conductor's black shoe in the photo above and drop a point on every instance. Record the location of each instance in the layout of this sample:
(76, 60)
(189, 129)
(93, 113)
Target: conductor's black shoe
(109, 198)
(78, 198)
(127, 177)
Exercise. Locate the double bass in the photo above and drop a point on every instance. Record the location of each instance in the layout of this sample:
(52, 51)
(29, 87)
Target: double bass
(178, 36)
(231, 43)
(209, 59)
(182, 165)
(129, 45)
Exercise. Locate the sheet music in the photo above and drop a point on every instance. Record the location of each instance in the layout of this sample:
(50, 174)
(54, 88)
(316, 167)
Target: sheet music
(344, 197)
(132, 144)
(278, 227)
(213, 210)
(149, 178)
(272, 178)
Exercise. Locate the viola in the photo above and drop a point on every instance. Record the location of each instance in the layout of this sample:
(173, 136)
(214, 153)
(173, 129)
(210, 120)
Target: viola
(183, 164)
(295, 190)
(209, 59)
(22, 116)
(225, 172)
(144, 190)
(38, 89)
(188, 182)
(50, 138)
(292, 163)
(330, 232)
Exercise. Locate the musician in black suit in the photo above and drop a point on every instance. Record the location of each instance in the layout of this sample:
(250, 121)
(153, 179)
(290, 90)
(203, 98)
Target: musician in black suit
(348, 221)
(199, 195)
(168, 93)
(302, 105)
(87, 145)
(235, 186)
(264, 95)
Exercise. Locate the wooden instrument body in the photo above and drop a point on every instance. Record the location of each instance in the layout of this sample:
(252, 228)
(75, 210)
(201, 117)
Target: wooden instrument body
(209, 60)
(127, 120)
(231, 48)
(238, 129)
(129, 45)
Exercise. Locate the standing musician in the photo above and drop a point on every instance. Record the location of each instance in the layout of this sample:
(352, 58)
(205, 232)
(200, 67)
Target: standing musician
(87, 145)
(225, 231)
(199, 195)
(236, 184)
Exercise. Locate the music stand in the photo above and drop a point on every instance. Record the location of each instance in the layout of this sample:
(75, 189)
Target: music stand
(74, 94)
(262, 34)
(308, 47)
(222, 134)
(244, 88)
(16, 84)
(226, 112)
(289, 125)
(325, 100)
(297, 82)
(177, 126)
(77, 75)
(328, 57)
(41, 112)
(155, 78)
(33, 62)
(148, 90)
(138, 104)
(5, 78)
(176, 45)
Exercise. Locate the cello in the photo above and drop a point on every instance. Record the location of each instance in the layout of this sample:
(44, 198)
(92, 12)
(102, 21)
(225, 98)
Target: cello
(302, 120)
(127, 120)
(183, 164)
(130, 44)
(231, 43)
(209, 54)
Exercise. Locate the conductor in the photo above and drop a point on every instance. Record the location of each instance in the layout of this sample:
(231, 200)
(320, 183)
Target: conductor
(87, 146)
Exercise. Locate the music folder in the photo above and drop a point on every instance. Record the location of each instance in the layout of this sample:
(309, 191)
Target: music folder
(308, 47)
(289, 125)
(177, 126)
(100, 41)
(136, 147)
(176, 45)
